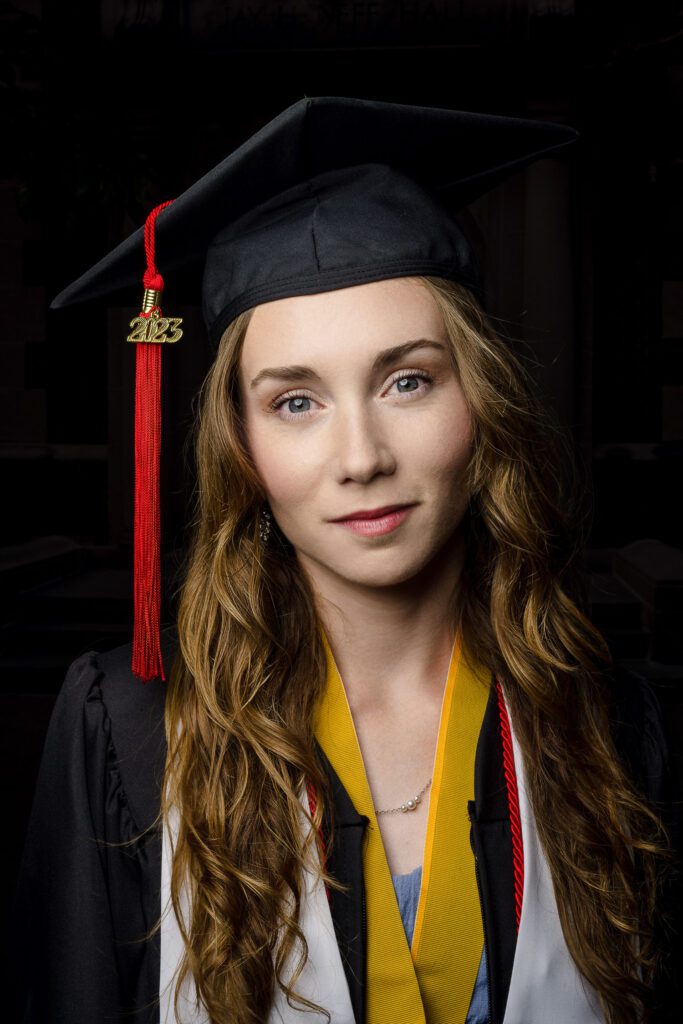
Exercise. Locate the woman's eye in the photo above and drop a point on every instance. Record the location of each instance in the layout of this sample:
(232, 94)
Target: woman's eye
(298, 410)
(404, 377)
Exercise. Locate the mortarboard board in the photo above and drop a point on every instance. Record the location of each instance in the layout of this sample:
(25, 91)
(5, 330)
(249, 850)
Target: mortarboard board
(334, 191)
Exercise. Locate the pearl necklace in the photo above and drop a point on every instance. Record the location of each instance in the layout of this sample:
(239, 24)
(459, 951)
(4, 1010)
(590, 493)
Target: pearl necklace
(409, 805)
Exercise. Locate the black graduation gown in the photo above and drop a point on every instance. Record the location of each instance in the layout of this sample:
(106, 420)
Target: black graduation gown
(80, 908)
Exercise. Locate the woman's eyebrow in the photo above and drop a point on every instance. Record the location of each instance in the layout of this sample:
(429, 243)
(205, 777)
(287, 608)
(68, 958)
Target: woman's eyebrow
(381, 361)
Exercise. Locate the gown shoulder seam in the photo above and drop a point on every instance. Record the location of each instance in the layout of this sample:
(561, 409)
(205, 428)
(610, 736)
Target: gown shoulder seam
(98, 717)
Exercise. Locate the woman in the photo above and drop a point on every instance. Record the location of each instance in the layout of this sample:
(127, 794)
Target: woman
(398, 774)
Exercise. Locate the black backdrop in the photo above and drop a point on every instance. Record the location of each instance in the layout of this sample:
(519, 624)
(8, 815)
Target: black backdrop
(108, 109)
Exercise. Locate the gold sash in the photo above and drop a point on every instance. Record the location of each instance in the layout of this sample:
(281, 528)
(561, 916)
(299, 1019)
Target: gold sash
(433, 979)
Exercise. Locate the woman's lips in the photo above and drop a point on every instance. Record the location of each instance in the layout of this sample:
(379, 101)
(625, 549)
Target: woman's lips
(378, 525)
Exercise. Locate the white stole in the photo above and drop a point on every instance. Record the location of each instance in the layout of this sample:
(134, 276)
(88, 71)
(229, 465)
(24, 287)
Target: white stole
(545, 983)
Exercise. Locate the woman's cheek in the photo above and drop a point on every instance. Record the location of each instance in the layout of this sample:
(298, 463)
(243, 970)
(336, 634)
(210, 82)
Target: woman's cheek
(287, 475)
(444, 448)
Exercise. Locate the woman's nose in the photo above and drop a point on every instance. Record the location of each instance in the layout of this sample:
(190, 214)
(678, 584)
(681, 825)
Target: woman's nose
(360, 447)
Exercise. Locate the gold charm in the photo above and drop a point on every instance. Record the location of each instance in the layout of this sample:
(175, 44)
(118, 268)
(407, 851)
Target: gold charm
(154, 328)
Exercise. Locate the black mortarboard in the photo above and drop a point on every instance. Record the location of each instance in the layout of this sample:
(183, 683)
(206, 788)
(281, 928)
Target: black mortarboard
(334, 191)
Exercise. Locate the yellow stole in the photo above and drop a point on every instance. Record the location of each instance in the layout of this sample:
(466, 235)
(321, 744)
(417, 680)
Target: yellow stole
(433, 979)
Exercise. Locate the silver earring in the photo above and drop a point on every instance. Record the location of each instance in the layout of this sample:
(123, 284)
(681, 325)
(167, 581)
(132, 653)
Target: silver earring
(264, 525)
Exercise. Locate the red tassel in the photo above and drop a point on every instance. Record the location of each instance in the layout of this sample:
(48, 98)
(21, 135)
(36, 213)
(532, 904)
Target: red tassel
(147, 661)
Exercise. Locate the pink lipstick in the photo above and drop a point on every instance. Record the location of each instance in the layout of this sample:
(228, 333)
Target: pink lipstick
(378, 524)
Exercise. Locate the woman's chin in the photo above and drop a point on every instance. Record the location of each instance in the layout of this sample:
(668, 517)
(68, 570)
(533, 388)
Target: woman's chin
(379, 570)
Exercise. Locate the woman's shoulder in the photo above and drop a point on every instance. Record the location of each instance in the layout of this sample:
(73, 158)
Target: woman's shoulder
(133, 705)
(643, 741)
(635, 713)
(118, 722)
(106, 678)
(111, 672)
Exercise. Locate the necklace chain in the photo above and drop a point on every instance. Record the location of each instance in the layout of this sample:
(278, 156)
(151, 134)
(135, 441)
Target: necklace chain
(409, 805)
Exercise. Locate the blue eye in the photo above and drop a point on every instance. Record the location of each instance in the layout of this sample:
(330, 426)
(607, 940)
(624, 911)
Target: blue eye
(403, 376)
(297, 398)
(296, 410)
(402, 380)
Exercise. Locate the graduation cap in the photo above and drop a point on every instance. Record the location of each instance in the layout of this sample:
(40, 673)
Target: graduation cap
(332, 192)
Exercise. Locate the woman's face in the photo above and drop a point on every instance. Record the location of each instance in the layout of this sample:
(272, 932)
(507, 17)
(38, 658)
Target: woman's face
(351, 403)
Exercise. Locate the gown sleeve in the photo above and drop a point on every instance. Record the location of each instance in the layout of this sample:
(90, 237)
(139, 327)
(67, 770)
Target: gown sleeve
(646, 749)
(79, 909)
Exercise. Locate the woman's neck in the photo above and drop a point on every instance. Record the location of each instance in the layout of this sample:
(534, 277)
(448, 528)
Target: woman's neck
(392, 644)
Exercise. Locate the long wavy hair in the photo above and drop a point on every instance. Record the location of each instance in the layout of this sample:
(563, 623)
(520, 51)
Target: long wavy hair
(243, 688)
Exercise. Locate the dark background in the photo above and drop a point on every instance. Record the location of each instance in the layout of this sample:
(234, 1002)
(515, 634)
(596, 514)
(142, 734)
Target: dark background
(108, 109)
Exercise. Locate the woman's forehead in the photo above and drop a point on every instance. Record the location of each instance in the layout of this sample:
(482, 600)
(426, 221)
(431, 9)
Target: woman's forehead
(354, 321)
